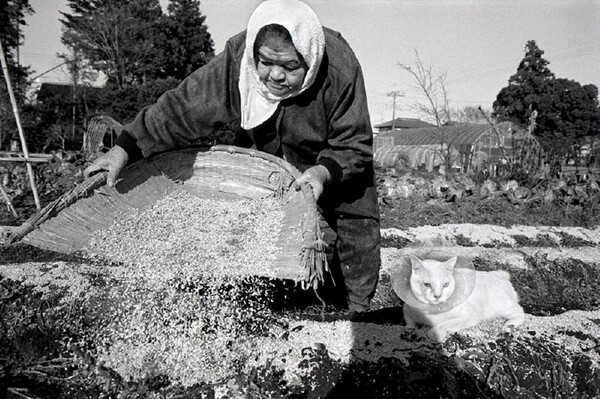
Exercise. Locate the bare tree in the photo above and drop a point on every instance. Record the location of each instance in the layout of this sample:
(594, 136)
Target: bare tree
(472, 114)
(61, 134)
(433, 86)
(436, 105)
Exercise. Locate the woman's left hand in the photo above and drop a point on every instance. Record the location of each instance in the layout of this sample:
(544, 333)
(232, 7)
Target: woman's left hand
(317, 177)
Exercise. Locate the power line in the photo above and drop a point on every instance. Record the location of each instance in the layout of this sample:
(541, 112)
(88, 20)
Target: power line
(469, 101)
(466, 77)
(30, 53)
(49, 70)
(577, 53)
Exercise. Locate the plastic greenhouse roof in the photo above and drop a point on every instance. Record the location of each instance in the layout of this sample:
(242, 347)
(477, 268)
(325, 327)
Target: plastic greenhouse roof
(465, 134)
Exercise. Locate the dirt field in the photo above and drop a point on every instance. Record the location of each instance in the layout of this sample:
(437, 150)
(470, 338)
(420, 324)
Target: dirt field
(71, 329)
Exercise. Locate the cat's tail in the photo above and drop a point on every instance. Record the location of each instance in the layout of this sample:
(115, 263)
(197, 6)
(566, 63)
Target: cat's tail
(515, 315)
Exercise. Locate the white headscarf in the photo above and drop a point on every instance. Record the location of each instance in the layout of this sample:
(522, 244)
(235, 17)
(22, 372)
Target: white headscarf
(257, 102)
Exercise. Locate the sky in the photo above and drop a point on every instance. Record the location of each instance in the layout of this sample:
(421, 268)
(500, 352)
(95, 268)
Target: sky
(477, 44)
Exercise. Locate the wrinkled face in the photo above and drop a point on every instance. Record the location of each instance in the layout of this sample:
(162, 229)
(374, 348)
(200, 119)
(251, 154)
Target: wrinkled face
(280, 67)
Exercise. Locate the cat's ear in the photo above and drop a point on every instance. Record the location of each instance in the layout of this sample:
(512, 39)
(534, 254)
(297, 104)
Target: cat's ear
(415, 262)
(450, 263)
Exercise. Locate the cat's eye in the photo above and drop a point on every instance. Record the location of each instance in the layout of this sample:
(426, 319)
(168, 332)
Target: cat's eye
(428, 285)
(446, 285)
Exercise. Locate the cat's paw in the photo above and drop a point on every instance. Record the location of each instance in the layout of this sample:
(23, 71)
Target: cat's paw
(410, 323)
(437, 334)
(508, 329)
(511, 326)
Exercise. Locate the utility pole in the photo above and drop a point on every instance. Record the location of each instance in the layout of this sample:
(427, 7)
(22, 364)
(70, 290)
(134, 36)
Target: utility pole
(394, 94)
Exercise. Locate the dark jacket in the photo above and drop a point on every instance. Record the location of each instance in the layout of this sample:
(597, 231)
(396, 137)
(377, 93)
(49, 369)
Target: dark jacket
(328, 124)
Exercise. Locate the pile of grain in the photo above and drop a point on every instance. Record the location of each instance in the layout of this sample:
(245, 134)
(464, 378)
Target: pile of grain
(182, 235)
(186, 302)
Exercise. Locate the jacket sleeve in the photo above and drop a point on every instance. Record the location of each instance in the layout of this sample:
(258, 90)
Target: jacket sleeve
(350, 136)
(193, 113)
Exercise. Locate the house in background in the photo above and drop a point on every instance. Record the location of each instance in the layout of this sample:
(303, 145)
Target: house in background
(62, 93)
(401, 124)
(465, 146)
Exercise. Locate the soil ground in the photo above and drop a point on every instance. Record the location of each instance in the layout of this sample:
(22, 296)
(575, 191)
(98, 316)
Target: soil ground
(52, 305)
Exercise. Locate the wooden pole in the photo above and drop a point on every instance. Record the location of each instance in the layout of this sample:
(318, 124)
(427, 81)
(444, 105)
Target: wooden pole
(394, 94)
(20, 127)
(23, 159)
(8, 201)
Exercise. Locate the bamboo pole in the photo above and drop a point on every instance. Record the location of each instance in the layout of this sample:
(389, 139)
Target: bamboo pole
(8, 201)
(32, 155)
(24, 159)
(13, 101)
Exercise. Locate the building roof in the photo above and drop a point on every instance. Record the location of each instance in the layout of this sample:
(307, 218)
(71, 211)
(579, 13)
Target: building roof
(404, 123)
(62, 90)
(457, 135)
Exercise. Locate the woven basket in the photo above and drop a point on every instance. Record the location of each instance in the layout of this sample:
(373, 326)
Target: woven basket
(223, 172)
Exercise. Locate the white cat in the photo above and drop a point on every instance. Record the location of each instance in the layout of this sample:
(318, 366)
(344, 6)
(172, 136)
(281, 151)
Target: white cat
(432, 282)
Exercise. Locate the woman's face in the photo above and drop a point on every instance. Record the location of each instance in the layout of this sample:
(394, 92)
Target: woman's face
(280, 67)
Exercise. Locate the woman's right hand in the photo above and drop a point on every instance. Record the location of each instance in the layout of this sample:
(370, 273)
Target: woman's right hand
(113, 162)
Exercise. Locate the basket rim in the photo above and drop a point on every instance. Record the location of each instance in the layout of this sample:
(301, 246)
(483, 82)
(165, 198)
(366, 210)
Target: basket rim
(281, 162)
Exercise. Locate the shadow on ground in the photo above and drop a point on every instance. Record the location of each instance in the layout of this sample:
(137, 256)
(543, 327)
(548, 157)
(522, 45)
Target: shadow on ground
(36, 360)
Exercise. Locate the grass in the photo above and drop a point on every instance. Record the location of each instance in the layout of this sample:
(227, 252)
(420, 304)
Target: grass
(541, 240)
(415, 212)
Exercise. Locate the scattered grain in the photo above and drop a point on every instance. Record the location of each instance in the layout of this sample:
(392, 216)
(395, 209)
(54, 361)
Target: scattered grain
(190, 301)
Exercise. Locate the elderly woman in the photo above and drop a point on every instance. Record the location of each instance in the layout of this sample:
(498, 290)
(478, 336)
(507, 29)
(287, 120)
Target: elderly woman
(288, 87)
